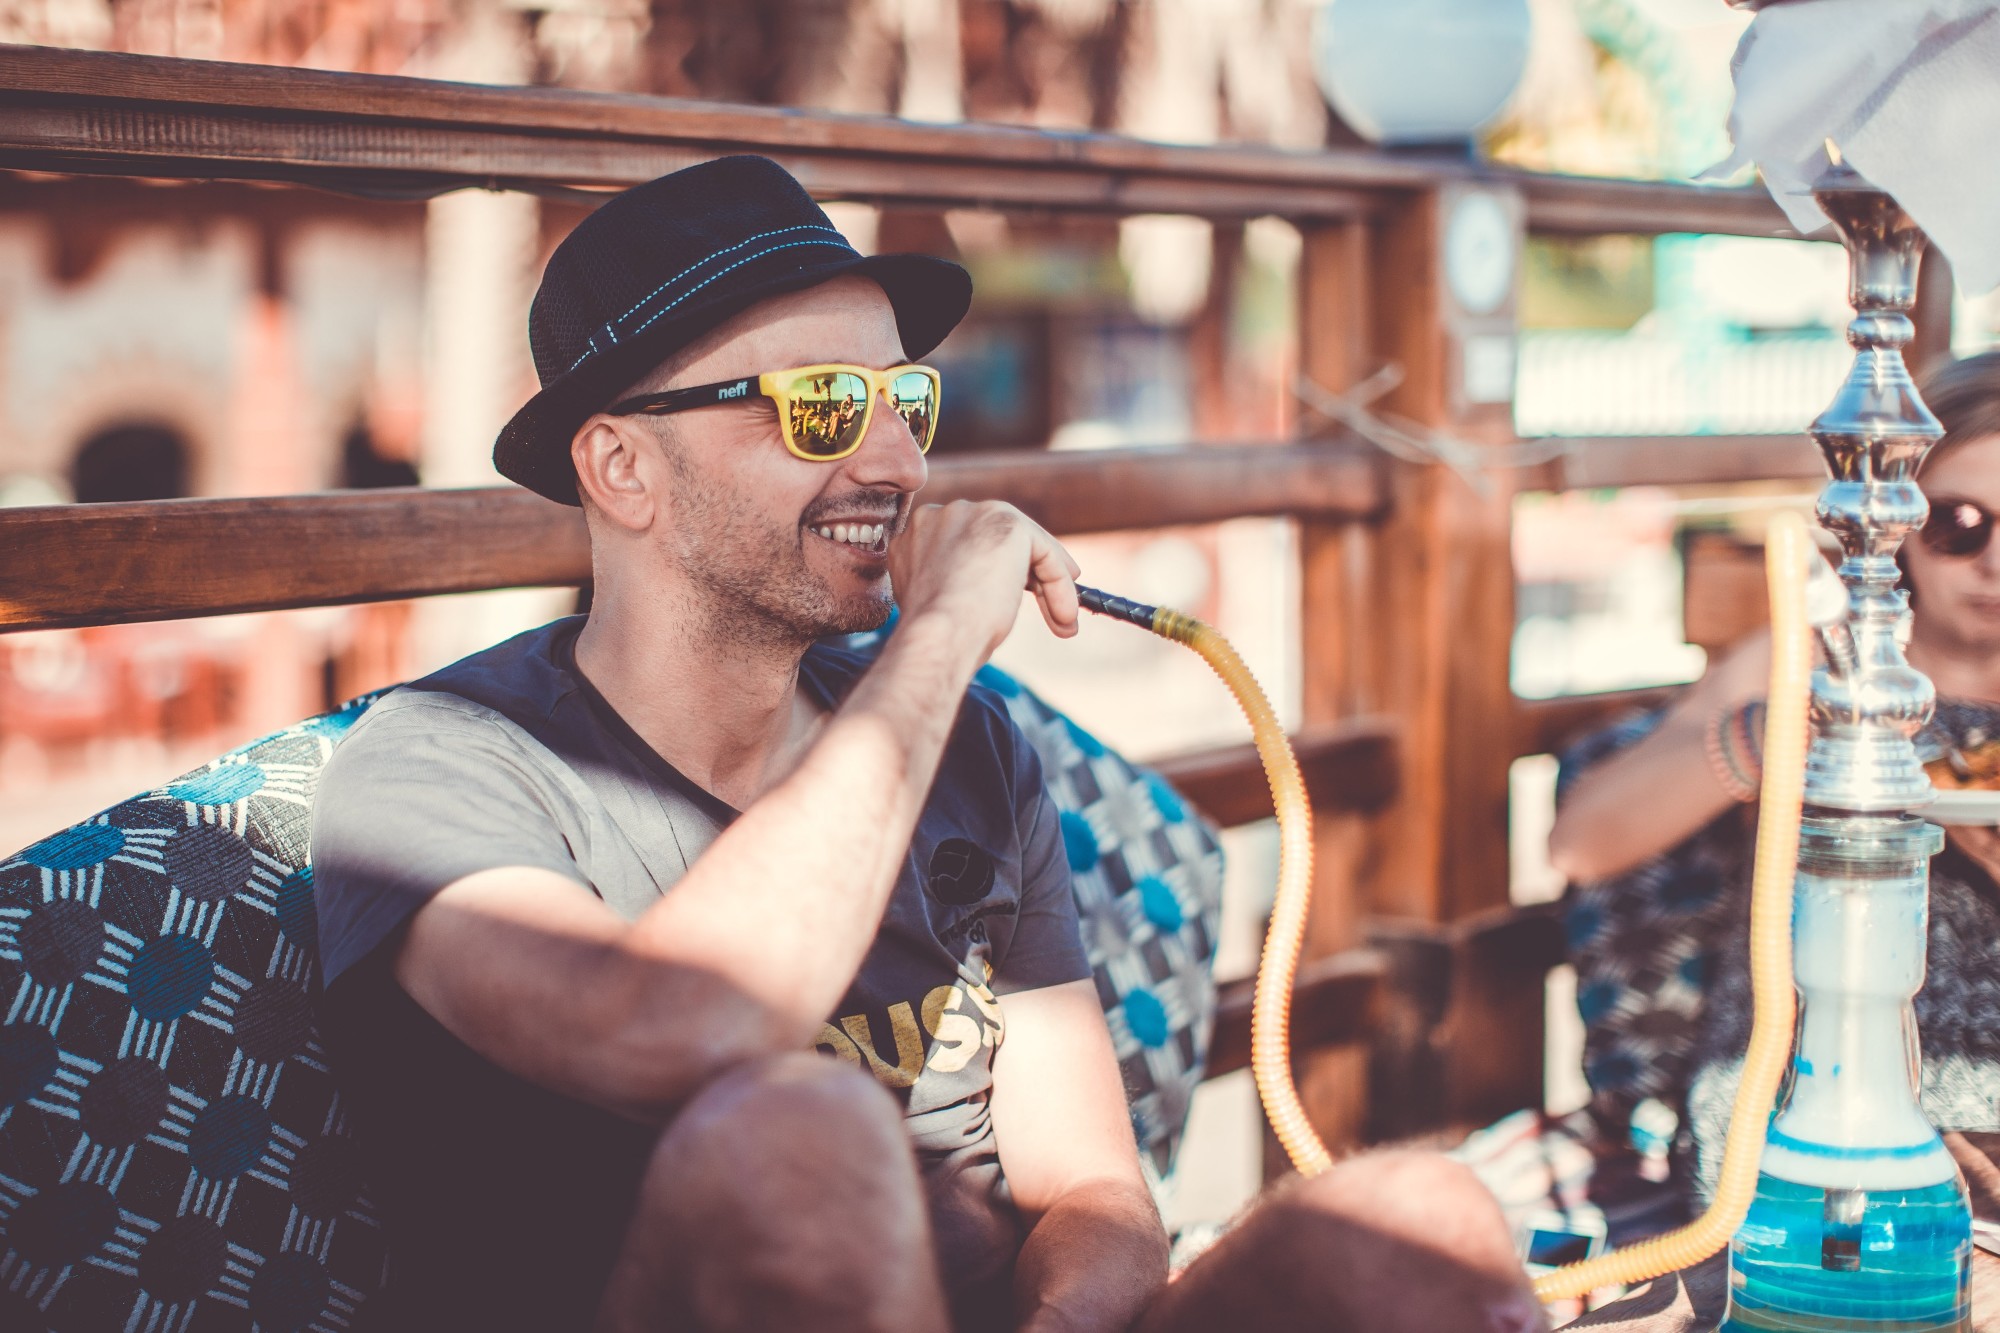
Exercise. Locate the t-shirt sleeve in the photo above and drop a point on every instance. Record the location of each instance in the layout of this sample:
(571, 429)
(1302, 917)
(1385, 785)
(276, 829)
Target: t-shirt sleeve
(1047, 949)
(415, 800)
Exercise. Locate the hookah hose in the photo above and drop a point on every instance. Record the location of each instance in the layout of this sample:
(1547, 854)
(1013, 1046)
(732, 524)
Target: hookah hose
(1271, 1012)
(1787, 554)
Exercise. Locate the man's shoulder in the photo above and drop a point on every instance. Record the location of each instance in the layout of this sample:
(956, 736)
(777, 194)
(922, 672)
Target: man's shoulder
(523, 678)
(415, 711)
(425, 743)
(493, 705)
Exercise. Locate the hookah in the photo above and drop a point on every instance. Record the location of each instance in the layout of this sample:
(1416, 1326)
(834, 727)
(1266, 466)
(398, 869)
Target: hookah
(1845, 1212)
(1860, 1219)
(1842, 1210)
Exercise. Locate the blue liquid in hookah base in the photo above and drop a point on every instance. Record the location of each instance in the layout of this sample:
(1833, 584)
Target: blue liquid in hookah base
(1914, 1249)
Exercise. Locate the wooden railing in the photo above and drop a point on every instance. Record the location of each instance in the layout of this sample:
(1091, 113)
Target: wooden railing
(1409, 725)
(98, 112)
(155, 560)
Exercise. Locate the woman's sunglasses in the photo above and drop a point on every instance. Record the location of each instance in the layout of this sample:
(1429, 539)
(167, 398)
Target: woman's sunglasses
(823, 411)
(1957, 528)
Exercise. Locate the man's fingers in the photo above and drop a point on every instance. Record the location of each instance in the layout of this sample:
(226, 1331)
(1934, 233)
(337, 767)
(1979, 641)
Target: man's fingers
(1052, 578)
(1059, 607)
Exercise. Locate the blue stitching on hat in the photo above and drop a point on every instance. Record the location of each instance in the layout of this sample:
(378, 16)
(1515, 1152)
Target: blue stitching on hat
(841, 244)
(749, 240)
(709, 259)
(747, 259)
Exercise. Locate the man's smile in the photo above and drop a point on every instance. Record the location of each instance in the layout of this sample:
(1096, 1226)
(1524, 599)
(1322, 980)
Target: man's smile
(868, 539)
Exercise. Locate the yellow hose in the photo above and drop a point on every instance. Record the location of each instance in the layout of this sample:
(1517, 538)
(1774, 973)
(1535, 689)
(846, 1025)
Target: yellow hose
(1786, 552)
(1271, 1013)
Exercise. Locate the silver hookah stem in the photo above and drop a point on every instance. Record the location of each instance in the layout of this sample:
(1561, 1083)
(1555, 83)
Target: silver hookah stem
(1868, 702)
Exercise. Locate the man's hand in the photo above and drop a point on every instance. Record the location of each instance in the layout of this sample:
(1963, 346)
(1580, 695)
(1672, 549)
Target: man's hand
(969, 560)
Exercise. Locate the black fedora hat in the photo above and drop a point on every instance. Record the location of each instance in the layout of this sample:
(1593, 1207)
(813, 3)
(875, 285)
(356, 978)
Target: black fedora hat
(664, 262)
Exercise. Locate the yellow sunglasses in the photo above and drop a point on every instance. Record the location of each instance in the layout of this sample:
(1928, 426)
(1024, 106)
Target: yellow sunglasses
(823, 411)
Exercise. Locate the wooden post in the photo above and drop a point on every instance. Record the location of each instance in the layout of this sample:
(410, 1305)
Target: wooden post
(1413, 619)
(1335, 343)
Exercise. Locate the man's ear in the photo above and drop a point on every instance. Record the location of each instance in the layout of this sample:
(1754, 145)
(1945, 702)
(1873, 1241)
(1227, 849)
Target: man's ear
(610, 470)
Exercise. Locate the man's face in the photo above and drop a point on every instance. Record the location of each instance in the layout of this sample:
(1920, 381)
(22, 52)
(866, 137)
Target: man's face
(770, 537)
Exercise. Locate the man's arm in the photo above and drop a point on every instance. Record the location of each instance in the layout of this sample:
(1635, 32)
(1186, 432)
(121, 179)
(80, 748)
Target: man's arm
(1096, 1252)
(756, 944)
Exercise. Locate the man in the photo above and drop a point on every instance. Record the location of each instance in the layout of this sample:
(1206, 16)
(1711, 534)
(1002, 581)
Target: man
(587, 899)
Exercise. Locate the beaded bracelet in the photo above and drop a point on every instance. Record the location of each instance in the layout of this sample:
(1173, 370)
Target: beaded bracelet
(1733, 742)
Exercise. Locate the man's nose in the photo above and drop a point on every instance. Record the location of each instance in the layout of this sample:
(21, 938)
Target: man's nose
(888, 455)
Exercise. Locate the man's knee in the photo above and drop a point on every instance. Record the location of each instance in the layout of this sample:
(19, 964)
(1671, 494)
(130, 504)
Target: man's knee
(770, 1142)
(1423, 1198)
(770, 1202)
(795, 1100)
(1392, 1242)
(1402, 1240)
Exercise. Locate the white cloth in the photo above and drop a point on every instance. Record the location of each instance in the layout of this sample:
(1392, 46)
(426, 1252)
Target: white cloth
(1909, 90)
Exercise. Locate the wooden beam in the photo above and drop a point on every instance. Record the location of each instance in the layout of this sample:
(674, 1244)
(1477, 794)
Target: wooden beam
(1333, 1004)
(71, 565)
(1335, 313)
(1412, 619)
(1545, 726)
(1348, 766)
(108, 113)
(1416, 612)
(102, 112)
(1594, 206)
(1102, 490)
(1593, 462)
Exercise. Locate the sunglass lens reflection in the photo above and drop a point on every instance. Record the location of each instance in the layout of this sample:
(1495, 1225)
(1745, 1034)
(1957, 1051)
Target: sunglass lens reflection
(828, 413)
(1958, 527)
(915, 397)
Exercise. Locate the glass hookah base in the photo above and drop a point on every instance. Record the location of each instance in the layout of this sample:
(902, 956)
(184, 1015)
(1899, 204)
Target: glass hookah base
(1809, 1260)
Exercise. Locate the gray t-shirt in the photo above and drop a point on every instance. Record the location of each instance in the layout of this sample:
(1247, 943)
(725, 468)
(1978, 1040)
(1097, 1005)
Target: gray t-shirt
(511, 758)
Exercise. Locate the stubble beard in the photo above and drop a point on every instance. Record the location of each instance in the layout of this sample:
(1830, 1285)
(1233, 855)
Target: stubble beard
(753, 584)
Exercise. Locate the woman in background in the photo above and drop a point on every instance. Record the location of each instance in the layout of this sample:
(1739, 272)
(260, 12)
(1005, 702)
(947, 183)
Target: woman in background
(1655, 823)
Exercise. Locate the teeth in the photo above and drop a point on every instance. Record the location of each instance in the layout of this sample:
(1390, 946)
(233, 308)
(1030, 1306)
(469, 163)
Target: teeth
(854, 534)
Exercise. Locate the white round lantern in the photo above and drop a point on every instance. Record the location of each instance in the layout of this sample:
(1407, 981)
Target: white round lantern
(1419, 71)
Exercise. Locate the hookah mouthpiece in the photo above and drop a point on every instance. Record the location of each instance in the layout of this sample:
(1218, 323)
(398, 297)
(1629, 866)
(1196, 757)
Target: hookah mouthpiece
(1118, 608)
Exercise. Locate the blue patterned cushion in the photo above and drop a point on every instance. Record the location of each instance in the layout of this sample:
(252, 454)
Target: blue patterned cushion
(1148, 882)
(174, 1153)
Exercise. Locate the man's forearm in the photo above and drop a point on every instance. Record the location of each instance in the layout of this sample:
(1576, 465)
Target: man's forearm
(1092, 1262)
(794, 890)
